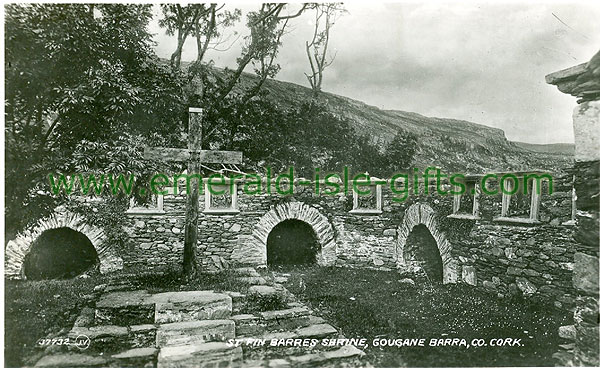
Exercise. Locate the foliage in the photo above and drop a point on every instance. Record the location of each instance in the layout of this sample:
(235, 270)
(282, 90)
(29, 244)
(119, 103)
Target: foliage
(307, 136)
(77, 75)
(261, 303)
(205, 22)
(37, 309)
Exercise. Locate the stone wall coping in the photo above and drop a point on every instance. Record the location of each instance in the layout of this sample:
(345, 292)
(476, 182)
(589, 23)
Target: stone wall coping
(366, 212)
(463, 216)
(373, 180)
(144, 211)
(223, 211)
(517, 220)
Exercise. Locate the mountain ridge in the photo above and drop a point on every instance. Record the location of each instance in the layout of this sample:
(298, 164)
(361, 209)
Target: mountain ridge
(450, 144)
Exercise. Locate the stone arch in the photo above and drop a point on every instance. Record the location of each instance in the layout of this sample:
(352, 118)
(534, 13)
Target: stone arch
(296, 211)
(17, 249)
(417, 214)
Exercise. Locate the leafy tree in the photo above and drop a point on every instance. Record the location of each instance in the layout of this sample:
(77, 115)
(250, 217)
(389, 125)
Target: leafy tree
(76, 73)
(216, 93)
(400, 153)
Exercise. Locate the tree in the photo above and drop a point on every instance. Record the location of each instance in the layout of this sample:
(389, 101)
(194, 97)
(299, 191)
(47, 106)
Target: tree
(218, 91)
(76, 72)
(203, 21)
(207, 89)
(400, 152)
(326, 14)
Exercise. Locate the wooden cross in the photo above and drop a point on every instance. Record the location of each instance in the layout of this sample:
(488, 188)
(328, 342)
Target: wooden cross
(194, 155)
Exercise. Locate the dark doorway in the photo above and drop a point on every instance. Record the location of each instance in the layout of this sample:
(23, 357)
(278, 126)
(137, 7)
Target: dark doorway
(421, 249)
(292, 242)
(59, 253)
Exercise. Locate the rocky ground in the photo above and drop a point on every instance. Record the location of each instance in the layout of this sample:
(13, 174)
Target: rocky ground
(203, 328)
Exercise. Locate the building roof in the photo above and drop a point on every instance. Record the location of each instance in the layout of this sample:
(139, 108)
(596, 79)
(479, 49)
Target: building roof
(581, 81)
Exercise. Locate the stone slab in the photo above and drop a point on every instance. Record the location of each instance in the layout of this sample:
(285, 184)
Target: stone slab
(252, 280)
(309, 332)
(136, 353)
(120, 299)
(104, 338)
(585, 273)
(95, 332)
(325, 357)
(262, 290)
(180, 333)
(138, 357)
(142, 336)
(124, 308)
(203, 355)
(191, 306)
(285, 319)
(247, 271)
(71, 360)
(567, 332)
(284, 313)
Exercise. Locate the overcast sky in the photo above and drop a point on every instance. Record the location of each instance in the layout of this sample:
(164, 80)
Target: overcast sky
(476, 61)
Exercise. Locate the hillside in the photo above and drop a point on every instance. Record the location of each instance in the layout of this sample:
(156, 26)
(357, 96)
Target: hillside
(555, 148)
(453, 145)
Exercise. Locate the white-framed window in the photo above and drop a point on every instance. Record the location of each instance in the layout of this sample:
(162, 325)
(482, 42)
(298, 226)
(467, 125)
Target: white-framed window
(153, 207)
(466, 205)
(367, 203)
(222, 199)
(520, 206)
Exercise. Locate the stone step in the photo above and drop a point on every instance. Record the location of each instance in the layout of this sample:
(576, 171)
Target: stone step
(317, 331)
(317, 359)
(104, 338)
(246, 271)
(286, 319)
(142, 336)
(181, 333)
(138, 357)
(184, 306)
(238, 300)
(252, 280)
(203, 355)
(71, 360)
(124, 308)
(265, 290)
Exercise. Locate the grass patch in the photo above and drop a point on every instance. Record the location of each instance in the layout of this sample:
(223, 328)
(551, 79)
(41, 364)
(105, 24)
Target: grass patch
(373, 304)
(157, 282)
(35, 309)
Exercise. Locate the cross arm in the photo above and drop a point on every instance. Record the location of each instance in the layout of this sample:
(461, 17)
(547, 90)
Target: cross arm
(183, 154)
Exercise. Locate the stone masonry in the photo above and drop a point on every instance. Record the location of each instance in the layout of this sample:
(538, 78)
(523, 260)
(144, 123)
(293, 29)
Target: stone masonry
(583, 82)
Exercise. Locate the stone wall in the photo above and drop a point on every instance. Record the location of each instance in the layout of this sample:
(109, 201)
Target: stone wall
(534, 259)
(582, 81)
(505, 255)
(586, 120)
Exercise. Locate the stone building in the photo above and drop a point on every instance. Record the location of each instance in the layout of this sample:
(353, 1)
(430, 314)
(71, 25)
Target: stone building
(508, 244)
(583, 82)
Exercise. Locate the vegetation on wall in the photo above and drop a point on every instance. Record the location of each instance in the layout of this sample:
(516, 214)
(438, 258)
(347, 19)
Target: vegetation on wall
(85, 92)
